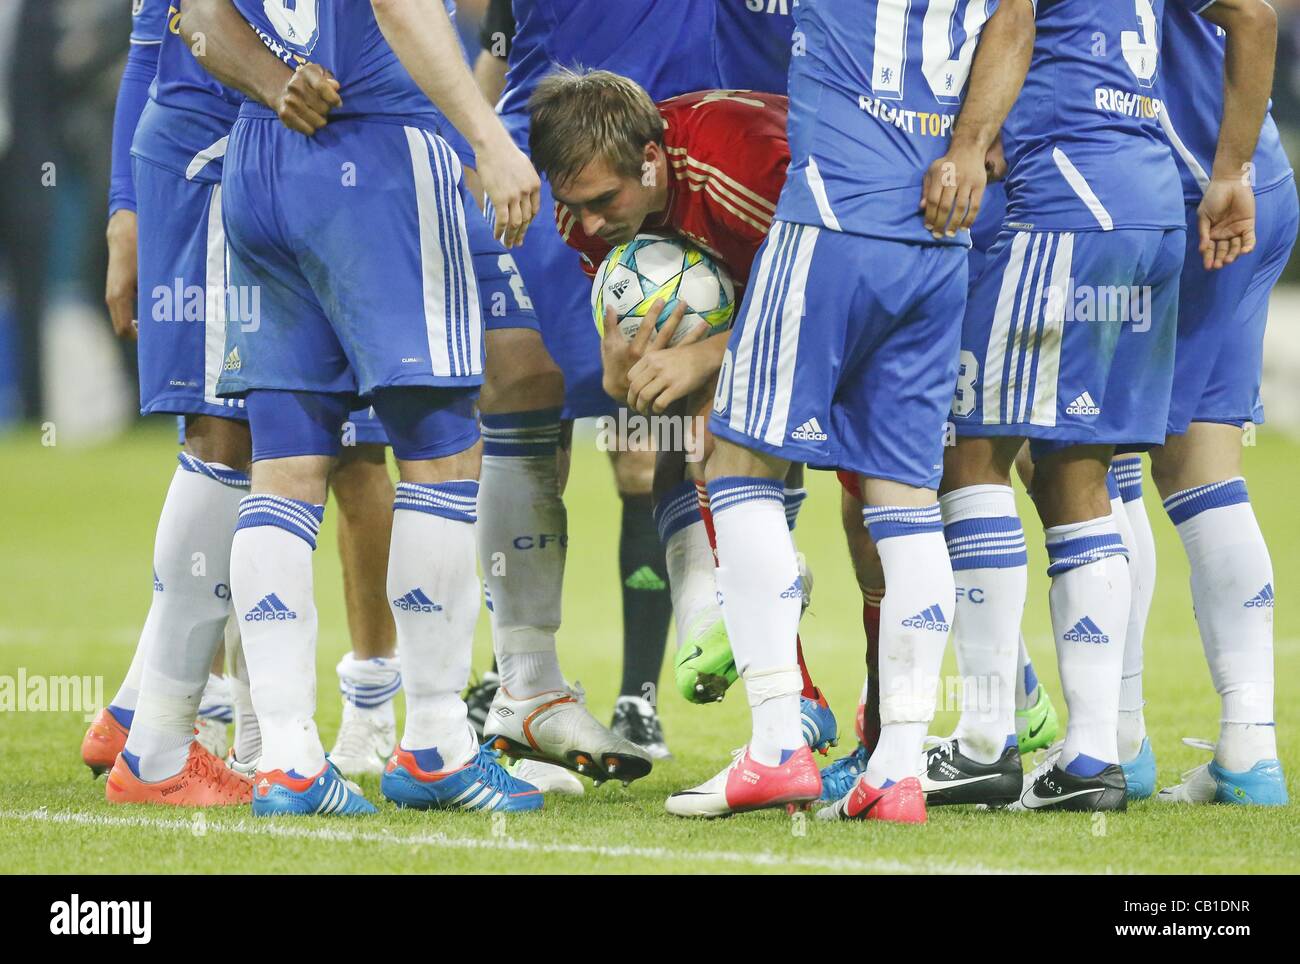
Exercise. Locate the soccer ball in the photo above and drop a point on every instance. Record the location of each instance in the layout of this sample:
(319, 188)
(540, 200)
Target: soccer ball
(650, 266)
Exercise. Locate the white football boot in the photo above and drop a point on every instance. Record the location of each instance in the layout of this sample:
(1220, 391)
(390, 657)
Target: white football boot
(805, 582)
(365, 739)
(211, 735)
(1198, 784)
(555, 727)
(216, 711)
(547, 777)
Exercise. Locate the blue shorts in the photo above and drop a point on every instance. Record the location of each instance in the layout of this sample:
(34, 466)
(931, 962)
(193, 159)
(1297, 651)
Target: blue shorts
(350, 265)
(365, 428)
(1221, 319)
(844, 353)
(501, 291)
(182, 265)
(1036, 361)
(361, 428)
(562, 294)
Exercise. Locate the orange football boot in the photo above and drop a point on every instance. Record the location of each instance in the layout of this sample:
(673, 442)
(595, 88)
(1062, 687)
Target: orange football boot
(104, 740)
(203, 782)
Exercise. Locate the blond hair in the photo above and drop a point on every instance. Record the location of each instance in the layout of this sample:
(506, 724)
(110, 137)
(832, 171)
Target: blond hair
(580, 115)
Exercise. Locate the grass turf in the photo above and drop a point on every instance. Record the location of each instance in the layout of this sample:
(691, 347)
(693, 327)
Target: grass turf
(74, 563)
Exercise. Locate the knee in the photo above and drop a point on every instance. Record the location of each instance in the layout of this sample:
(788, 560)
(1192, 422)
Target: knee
(520, 375)
(360, 476)
(219, 440)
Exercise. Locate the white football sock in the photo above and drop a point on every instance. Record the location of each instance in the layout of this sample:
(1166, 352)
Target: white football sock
(198, 512)
(758, 579)
(915, 616)
(1089, 600)
(368, 686)
(271, 579)
(689, 559)
(187, 618)
(523, 535)
(1232, 593)
(1132, 725)
(987, 547)
(248, 736)
(434, 590)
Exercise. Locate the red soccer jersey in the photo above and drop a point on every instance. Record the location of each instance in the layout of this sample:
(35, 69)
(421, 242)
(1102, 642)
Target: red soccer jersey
(727, 155)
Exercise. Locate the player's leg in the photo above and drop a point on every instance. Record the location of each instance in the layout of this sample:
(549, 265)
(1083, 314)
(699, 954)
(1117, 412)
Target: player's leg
(986, 547)
(980, 762)
(758, 405)
(839, 777)
(905, 391)
(647, 602)
(1199, 475)
(369, 674)
(182, 237)
(186, 622)
(1089, 601)
(1134, 749)
(295, 440)
(1036, 721)
(561, 294)
(1128, 355)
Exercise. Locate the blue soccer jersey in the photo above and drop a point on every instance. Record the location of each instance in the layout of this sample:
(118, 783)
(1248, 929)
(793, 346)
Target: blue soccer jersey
(873, 99)
(344, 38)
(752, 42)
(666, 46)
(1191, 53)
(1083, 141)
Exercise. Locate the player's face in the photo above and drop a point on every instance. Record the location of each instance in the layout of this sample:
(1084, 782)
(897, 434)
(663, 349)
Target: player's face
(608, 205)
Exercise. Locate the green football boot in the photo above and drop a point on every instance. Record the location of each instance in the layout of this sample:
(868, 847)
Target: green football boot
(704, 666)
(1036, 727)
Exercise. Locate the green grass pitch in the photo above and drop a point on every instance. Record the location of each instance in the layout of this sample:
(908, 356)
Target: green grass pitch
(75, 547)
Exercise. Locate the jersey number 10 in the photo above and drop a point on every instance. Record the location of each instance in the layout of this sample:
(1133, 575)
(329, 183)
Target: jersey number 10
(944, 72)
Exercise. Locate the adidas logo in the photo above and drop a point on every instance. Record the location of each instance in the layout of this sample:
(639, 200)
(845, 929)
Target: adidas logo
(158, 586)
(233, 364)
(645, 578)
(1086, 631)
(618, 287)
(268, 609)
(1261, 600)
(795, 591)
(416, 601)
(1083, 405)
(930, 618)
(809, 431)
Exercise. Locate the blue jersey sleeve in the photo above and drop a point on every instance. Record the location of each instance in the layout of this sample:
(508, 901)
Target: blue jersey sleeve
(132, 94)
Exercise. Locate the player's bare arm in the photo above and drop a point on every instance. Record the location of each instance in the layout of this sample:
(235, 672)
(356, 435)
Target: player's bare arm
(232, 53)
(1227, 213)
(123, 273)
(421, 35)
(954, 184)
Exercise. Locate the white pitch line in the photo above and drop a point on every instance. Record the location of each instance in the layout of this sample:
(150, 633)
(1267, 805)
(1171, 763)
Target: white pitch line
(269, 828)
